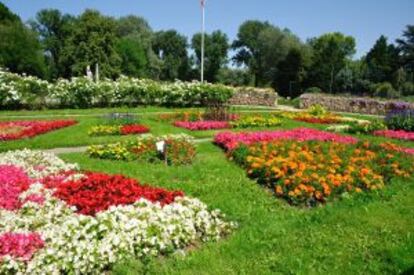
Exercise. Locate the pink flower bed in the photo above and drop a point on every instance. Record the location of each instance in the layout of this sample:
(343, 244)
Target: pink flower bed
(230, 140)
(20, 245)
(13, 181)
(395, 134)
(202, 125)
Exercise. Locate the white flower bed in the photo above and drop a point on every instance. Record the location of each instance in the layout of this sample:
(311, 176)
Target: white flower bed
(82, 244)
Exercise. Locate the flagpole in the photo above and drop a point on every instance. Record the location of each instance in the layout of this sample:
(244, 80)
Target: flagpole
(202, 40)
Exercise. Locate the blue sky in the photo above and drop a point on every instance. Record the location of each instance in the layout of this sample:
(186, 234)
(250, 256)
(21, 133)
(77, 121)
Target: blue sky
(366, 20)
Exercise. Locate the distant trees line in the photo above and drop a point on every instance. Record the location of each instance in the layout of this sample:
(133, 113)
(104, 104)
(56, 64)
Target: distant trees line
(55, 45)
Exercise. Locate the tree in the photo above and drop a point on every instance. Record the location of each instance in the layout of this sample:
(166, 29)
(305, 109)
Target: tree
(247, 47)
(291, 72)
(216, 48)
(53, 29)
(171, 49)
(92, 41)
(382, 61)
(406, 46)
(330, 54)
(133, 56)
(20, 49)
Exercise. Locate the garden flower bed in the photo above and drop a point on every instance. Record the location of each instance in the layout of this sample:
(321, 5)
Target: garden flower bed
(397, 134)
(66, 221)
(12, 130)
(230, 140)
(256, 121)
(313, 172)
(179, 150)
(202, 125)
(127, 129)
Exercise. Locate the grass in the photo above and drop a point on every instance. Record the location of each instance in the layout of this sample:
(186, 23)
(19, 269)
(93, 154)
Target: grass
(361, 235)
(364, 234)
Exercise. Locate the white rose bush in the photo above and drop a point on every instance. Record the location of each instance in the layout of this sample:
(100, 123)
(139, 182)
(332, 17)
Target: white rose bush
(55, 218)
(17, 91)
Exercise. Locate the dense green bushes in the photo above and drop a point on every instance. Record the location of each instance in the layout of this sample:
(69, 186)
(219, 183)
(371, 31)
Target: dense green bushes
(18, 91)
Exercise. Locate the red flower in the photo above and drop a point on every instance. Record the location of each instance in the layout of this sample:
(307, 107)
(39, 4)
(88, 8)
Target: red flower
(28, 129)
(97, 192)
(13, 181)
(134, 129)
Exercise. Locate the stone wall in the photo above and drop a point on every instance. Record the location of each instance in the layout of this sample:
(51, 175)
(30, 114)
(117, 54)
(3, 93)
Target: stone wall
(254, 96)
(352, 104)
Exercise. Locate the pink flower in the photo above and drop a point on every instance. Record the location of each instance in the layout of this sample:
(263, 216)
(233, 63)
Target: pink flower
(202, 125)
(401, 134)
(230, 140)
(20, 245)
(13, 181)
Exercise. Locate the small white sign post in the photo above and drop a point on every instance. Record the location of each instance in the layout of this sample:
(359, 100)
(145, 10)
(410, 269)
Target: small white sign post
(162, 148)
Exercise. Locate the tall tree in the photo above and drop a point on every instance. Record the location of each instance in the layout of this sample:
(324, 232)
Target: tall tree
(247, 47)
(216, 48)
(382, 61)
(406, 45)
(92, 41)
(53, 28)
(171, 49)
(20, 50)
(330, 54)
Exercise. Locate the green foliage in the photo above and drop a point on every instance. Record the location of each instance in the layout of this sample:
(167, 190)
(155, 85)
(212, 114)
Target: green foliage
(234, 76)
(330, 54)
(406, 46)
(385, 90)
(92, 40)
(317, 110)
(314, 90)
(215, 53)
(133, 57)
(382, 61)
(407, 89)
(171, 49)
(366, 128)
(20, 49)
(400, 120)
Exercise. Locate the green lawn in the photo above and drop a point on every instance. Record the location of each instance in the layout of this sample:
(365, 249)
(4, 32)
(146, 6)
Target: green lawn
(364, 234)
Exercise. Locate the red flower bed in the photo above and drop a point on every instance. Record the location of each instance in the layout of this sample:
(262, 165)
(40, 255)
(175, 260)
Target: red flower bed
(13, 130)
(401, 134)
(20, 245)
(202, 125)
(230, 140)
(133, 129)
(97, 192)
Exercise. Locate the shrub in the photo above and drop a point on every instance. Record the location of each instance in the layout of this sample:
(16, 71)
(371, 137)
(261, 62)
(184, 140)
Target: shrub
(317, 110)
(313, 90)
(18, 91)
(407, 89)
(400, 120)
(365, 128)
(385, 90)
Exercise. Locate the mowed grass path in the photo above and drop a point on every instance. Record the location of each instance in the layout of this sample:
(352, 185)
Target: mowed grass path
(364, 234)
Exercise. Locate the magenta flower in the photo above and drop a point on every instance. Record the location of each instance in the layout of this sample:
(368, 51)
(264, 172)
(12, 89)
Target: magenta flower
(20, 245)
(13, 181)
(399, 134)
(202, 125)
(230, 140)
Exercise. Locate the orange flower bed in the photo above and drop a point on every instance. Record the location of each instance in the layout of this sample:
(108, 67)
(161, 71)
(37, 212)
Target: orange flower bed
(310, 173)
